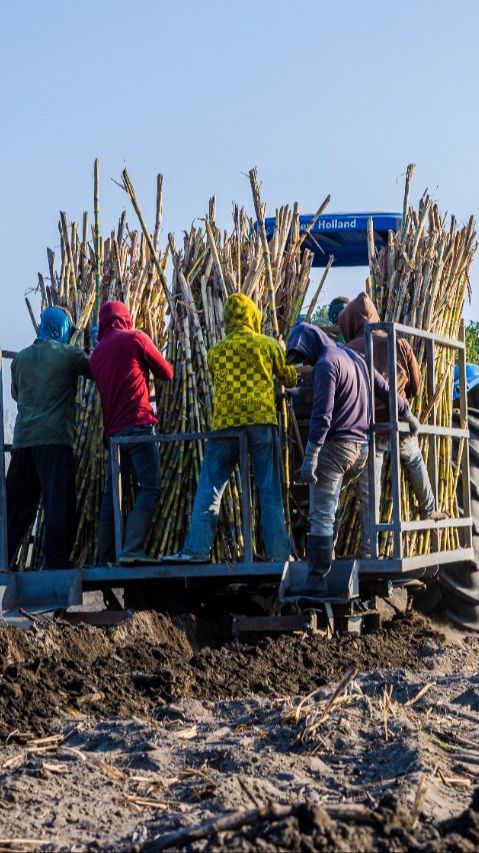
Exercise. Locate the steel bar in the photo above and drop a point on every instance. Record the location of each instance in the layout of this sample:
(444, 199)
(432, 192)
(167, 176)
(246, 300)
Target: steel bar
(177, 436)
(3, 495)
(407, 565)
(97, 617)
(158, 438)
(395, 455)
(373, 519)
(466, 480)
(418, 333)
(116, 482)
(424, 429)
(443, 524)
(245, 497)
(432, 458)
(295, 622)
(426, 524)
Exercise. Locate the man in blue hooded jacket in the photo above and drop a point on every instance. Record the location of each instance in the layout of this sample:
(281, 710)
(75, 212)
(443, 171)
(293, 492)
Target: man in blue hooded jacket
(44, 380)
(337, 448)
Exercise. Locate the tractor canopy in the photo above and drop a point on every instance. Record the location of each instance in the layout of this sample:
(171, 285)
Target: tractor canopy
(343, 235)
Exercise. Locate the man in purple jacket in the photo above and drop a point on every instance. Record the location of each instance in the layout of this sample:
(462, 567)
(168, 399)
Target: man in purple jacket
(337, 448)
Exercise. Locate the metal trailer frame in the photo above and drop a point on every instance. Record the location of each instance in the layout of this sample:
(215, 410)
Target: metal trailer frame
(53, 589)
(399, 526)
(164, 438)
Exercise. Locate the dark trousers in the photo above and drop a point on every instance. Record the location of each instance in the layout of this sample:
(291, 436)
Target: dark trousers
(145, 461)
(46, 470)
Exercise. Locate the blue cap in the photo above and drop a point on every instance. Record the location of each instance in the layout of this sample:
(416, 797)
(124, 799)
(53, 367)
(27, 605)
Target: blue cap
(472, 379)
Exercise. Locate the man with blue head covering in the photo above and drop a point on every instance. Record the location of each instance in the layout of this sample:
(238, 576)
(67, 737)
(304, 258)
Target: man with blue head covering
(44, 380)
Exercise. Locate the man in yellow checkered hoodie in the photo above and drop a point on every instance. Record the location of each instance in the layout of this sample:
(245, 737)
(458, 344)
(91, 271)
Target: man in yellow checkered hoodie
(243, 368)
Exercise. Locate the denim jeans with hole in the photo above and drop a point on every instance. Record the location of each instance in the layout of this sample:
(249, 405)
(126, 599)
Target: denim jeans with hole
(221, 456)
(144, 459)
(339, 463)
(412, 459)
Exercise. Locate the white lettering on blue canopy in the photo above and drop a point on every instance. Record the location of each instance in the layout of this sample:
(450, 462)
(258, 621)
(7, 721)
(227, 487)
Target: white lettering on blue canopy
(352, 223)
(333, 224)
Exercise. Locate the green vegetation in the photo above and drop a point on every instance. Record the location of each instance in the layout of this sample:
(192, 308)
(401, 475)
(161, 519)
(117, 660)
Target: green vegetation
(472, 342)
(320, 316)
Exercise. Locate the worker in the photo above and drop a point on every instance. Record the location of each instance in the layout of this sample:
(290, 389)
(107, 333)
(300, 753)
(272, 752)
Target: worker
(337, 448)
(352, 321)
(120, 364)
(44, 380)
(334, 310)
(333, 330)
(243, 367)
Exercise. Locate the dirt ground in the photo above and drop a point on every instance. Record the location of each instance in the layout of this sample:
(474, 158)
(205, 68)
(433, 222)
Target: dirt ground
(113, 739)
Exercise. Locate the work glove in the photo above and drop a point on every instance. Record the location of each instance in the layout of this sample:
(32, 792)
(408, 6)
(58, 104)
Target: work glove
(310, 463)
(413, 422)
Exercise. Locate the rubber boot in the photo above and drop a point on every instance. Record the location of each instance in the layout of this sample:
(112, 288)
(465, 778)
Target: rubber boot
(320, 555)
(106, 543)
(136, 532)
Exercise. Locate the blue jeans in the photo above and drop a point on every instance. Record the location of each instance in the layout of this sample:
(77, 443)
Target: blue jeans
(221, 456)
(145, 461)
(412, 459)
(339, 463)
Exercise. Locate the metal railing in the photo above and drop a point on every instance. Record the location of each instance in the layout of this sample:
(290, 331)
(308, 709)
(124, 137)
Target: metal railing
(397, 527)
(394, 428)
(123, 441)
(3, 491)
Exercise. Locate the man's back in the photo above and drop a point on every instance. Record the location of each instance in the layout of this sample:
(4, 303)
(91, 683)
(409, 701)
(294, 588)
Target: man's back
(121, 376)
(340, 385)
(120, 364)
(44, 385)
(244, 366)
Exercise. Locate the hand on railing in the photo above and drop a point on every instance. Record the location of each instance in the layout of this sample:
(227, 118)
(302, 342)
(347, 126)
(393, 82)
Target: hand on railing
(414, 425)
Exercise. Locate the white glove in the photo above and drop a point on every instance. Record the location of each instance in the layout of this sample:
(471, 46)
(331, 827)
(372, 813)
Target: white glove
(310, 463)
(413, 422)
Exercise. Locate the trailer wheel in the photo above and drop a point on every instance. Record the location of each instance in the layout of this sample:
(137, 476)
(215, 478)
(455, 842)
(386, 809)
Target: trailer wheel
(459, 582)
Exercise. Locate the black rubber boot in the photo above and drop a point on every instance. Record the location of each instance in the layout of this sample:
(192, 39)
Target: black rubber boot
(137, 529)
(106, 543)
(320, 556)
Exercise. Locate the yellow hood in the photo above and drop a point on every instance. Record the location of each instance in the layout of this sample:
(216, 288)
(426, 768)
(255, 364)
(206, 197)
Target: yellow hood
(241, 314)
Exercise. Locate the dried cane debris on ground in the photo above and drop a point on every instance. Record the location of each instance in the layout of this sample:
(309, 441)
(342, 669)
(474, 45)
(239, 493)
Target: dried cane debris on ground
(368, 761)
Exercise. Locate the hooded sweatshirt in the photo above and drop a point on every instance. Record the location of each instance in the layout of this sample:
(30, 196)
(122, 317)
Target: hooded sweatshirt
(341, 410)
(352, 321)
(120, 363)
(44, 383)
(243, 367)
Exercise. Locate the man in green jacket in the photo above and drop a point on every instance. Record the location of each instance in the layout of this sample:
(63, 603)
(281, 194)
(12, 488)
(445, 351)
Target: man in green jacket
(44, 380)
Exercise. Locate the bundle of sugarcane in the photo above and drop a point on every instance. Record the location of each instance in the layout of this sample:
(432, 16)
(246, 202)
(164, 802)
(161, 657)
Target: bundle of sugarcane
(210, 265)
(186, 318)
(92, 271)
(420, 279)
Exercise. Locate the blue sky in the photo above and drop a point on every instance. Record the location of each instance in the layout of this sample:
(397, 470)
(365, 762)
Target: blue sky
(321, 97)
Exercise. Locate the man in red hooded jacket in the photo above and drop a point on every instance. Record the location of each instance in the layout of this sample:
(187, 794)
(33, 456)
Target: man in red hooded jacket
(120, 364)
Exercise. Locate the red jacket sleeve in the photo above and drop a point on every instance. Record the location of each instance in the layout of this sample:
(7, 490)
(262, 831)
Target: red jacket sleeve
(159, 366)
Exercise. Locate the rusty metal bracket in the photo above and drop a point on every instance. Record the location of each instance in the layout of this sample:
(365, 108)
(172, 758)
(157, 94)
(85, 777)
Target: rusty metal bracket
(307, 622)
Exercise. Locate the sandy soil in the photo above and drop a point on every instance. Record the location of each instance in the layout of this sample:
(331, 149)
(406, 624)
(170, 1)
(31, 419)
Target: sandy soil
(157, 725)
